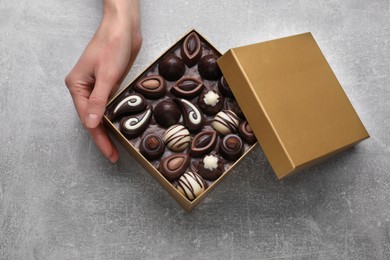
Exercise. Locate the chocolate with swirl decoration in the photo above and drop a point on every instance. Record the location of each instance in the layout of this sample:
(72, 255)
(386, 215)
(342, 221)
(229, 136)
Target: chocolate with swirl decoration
(130, 104)
(152, 146)
(191, 50)
(191, 185)
(172, 167)
(153, 87)
(225, 122)
(132, 126)
(193, 119)
(177, 138)
(231, 147)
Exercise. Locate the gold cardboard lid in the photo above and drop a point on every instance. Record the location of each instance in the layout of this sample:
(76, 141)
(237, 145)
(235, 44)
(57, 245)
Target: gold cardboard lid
(292, 100)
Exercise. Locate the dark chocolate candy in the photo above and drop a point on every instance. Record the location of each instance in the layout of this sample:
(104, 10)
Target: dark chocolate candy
(225, 122)
(177, 138)
(210, 167)
(131, 104)
(171, 67)
(193, 119)
(187, 87)
(246, 133)
(152, 146)
(208, 67)
(191, 185)
(231, 147)
(134, 125)
(224, 88)
(203, 143)
(210, 102)
(167, 113)
(191, 49)
(152, 87)
(173, 166)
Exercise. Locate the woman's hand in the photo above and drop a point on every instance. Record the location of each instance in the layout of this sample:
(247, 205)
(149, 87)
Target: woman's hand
(102, 67)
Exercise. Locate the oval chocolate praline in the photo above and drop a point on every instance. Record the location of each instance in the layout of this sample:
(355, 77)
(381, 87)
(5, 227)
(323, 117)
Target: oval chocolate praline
(191, 50)
(167, 113)
(246, 132)
(231, 147)
(132, 126)
(210, 167)
(203, 143)
(173, 166)
(153, 86)
(171, 67)
(152, 146)
(131, 104)
(210, 102)
(193, 119)
(187, 87)
(208, 67)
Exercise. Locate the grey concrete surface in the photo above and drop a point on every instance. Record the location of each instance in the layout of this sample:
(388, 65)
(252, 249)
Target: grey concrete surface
(60, 199)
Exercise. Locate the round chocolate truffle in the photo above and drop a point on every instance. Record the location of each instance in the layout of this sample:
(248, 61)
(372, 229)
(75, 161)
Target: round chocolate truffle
(177, 138)
(224, 88)
(210, 102)
(173, 166)
(167, 113)
(191, 185)
(225, 122)
(152, 146)
(246, 133)
(171, 67)
(231, 147)
(208, 67)
(211, 167)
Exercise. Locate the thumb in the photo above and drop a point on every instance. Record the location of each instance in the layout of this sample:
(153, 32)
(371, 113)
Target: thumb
(98, 100)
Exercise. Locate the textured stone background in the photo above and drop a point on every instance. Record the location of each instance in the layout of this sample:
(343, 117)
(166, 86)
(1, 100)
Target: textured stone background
(60, 199)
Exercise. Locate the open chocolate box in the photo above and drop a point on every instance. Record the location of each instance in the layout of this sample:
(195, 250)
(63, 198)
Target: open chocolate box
(193, 114)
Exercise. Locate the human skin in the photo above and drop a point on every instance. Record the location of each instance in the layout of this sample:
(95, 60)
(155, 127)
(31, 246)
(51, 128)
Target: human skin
(102, 67)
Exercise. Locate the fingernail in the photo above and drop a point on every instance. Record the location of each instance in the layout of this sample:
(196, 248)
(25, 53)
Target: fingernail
(92, 121)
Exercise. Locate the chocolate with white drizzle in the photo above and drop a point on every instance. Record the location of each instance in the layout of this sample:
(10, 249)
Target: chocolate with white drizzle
(177, 138)
(193, 119)
(129, 105)
(191, 50)
(152, 146)
(132, 126)
(231, 147)
(152, 87)
(211, 167)
(187, 87)
(203, 143)
(191, 185)
(225, 122)
(173, 166)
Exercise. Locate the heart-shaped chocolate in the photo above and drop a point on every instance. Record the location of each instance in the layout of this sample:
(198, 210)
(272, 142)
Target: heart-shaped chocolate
(152, 87)
(191, 50)
(187, 87)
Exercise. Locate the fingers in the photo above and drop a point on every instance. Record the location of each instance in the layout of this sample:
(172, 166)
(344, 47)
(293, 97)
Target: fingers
(104, 143)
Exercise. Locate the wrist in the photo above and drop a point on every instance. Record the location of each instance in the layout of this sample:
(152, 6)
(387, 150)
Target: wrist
(117, 11)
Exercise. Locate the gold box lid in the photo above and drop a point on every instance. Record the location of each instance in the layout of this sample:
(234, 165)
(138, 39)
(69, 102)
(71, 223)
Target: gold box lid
(293, 101)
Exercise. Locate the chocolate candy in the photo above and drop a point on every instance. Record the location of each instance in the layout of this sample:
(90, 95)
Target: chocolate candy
(210, 102)
(177, 138)
(130, 104)
(152, 146)
(172, 167)
(224, 88)
(187, 87)
(171, 67)
(246, 133)
(231, 147)
(191, 49)
(203, 143)
(152, 87)
(225, 122)
(208, 67)
(134, 125)
(232, 104)
(211, 167)
(167, 113)
(191, 185)
(193, 119)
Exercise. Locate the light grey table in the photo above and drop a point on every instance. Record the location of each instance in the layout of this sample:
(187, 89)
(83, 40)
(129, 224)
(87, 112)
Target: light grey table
(60, 199)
